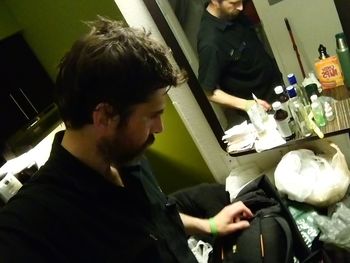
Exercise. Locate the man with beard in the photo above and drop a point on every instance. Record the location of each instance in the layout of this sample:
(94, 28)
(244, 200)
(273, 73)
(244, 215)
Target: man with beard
(233, 63)
(95, 199)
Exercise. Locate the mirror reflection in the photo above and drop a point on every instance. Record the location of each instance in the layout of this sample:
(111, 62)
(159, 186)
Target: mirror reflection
(237, 48)
(234, 56)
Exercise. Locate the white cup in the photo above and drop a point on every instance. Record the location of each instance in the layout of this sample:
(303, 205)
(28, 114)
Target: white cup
(258, 117)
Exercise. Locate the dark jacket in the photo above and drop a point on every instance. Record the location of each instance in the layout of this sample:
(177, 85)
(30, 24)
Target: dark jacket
(70, 213)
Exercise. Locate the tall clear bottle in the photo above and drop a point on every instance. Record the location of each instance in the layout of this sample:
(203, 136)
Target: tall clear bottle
(299, 113)
(299, 89)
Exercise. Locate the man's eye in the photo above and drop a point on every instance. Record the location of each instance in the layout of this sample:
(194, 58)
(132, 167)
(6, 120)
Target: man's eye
(155, 116)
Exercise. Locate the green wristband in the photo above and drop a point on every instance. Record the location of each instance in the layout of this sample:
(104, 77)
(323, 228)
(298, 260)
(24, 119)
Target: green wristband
(213, 227)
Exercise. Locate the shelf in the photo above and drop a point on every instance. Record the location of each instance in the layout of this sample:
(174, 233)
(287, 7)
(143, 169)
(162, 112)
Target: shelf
(341, 124)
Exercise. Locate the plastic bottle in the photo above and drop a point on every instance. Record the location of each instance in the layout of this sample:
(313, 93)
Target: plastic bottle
(299, 89)
(299, 113)
(282, 121)
(317, 111)
(343, 56)
(328, 112)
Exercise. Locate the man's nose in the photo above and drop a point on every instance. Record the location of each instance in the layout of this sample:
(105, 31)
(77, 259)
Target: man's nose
(158, 126)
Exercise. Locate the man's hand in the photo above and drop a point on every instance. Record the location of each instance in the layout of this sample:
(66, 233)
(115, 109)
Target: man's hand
(250, 103)
(232, 218)
(265, 104)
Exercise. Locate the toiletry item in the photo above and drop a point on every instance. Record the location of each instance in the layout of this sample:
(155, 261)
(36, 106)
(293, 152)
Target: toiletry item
(311, 89)
(256, 119)
(317, 111)
(262, 111)
(299, 113)
(343, 56)
(328, 70)
(298, 88)
(328, 112)
(283, 98)
(311, 79)
(282, 121)
(315, 80)
(257, 116)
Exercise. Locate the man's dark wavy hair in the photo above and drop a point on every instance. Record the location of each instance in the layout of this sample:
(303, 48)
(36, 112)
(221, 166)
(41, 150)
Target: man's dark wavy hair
(112, 64)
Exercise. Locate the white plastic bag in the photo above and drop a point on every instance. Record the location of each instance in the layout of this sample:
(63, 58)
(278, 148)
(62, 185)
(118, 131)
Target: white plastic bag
(316, 180)
(200, 249)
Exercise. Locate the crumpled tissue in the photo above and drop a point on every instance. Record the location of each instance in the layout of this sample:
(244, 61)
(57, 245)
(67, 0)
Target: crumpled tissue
(240, 137)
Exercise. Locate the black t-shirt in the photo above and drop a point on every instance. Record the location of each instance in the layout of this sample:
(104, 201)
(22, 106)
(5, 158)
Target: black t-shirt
(70, 213)
(232, 56)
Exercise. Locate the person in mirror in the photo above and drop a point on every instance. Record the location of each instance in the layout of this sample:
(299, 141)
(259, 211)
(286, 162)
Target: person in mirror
(96, 199)
(233, 62)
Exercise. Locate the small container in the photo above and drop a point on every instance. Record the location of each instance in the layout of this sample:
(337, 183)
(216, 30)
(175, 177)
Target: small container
(283, 98)
(311, 89)
(282, 120)
(257, 117)
(298, 88)
(317, 111)
(328, 112)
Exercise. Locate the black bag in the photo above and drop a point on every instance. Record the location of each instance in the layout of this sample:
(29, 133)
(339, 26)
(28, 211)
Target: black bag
(273, 235)
(327, 253)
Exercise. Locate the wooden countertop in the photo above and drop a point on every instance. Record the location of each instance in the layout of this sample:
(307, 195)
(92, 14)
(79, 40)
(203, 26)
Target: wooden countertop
(341, 109)
(338, 93)
(341, 123)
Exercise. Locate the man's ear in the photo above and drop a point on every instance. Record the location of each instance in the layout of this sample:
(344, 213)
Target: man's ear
(103, 116)
(214, 2)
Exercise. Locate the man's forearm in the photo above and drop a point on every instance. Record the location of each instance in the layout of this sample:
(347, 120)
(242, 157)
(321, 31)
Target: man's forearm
(225, 99)
(195, 225)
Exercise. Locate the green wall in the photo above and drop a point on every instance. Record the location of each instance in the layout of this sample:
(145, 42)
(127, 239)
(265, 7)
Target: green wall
(50, 27)
(175, 156)
(8, 23)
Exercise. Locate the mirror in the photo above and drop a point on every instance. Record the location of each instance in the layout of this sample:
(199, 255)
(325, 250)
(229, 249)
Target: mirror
(189, 15)
(314, 23)
(185, 61)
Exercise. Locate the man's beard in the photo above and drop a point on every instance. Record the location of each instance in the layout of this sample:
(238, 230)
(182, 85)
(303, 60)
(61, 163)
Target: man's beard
(118, 152)
(229, 16)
